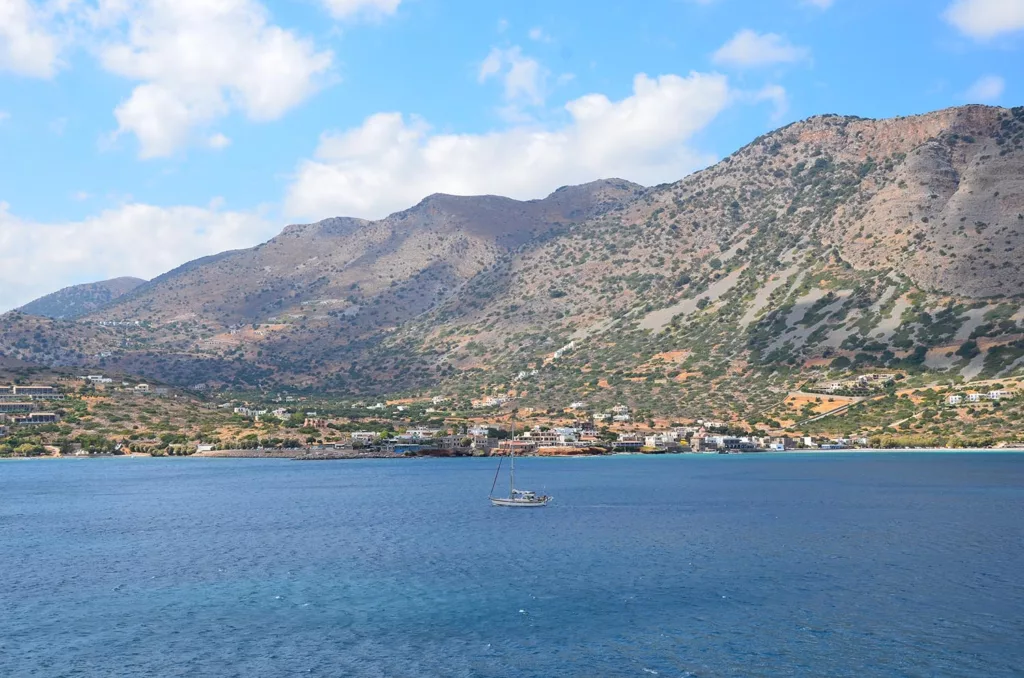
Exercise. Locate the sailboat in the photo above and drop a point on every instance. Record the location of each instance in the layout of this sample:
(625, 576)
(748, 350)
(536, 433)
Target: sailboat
(516, 498)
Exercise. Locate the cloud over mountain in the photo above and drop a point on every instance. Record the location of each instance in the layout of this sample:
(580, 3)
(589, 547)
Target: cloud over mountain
(393, 160)
(133, 239)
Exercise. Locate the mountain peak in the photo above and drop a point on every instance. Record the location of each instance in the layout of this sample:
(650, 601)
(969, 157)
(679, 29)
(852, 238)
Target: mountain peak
(79, 300)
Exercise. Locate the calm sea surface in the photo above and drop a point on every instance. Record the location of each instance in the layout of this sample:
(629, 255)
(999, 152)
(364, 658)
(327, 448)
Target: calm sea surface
(784, 565)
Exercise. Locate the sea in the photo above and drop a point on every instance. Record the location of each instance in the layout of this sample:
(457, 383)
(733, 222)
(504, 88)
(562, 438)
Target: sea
(832, 564)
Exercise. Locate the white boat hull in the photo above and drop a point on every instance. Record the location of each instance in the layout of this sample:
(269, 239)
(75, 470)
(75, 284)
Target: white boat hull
(520, 503)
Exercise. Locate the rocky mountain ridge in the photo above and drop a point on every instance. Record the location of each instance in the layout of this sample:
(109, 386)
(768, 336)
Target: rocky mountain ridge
(80, 300)
(831, 245)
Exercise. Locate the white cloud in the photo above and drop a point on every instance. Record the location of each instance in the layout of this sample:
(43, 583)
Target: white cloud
(198, 61)
(777, 95)
(80, 195)
(134, 239)
(985, 19)
(4, 115)
(27, 47)
(985, 89)
(524, 78)
(344, 9)
(219, 141)
(749, 48)
(537, 34)
(821, 4)
(391, 162)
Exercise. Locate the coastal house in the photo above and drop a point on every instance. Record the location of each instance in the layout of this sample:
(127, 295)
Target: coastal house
(704, 444)
(520, 447)
(142, 388)
(8, 408)
(490, 401)
(35, 391)
(999, 395)
(622, 418)
(420, 434)
(454, 442)
(954, 400)
(3, 431)
(602, 417)
(438, 400)
(248, 412)
(314, 422)
(629, 441)
(578, 405)
(568, 433)
(35, 418)
(6, 390)
(542, 438)
(973, 397)
(620, 409)
(661, 441)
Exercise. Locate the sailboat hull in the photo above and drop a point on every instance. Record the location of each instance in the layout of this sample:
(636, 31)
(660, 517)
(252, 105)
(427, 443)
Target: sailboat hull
(520, 503)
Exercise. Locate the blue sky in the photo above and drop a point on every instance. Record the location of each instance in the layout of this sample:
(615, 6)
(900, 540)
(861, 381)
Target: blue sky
(138, 134)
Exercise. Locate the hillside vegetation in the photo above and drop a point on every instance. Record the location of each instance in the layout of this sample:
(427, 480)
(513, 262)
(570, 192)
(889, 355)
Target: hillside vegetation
(831, 247)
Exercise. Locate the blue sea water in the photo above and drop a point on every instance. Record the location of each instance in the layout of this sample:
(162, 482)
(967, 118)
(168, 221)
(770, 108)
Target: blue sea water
(866, 564)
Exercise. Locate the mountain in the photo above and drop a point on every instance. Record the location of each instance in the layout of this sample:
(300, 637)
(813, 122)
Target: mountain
(79, 300)
(830, 247)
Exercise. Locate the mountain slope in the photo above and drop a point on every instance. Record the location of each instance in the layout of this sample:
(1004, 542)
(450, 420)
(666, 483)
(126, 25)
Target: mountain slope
(342, 263)
(832, 246)
(79, 300)
(888, 244)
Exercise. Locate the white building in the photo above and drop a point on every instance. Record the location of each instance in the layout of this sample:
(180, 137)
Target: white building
(954, 399)
(420, 433)
(365, 437)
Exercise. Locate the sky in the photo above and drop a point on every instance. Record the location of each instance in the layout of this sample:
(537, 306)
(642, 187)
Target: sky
(136, 135)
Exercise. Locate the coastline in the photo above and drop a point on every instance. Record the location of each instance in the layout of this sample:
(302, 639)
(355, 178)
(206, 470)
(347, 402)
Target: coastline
(290, 455)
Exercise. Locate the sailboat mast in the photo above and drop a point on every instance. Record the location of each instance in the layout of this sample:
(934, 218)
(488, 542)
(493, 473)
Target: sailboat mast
(512, 457)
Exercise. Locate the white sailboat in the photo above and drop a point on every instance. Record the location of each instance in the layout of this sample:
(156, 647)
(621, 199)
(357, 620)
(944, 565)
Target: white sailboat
(516, 498)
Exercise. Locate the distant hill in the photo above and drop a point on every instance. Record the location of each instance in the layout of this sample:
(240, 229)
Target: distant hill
(79, 300)
(833, 246)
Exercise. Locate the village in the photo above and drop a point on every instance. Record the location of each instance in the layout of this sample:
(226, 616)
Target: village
(439, 425)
